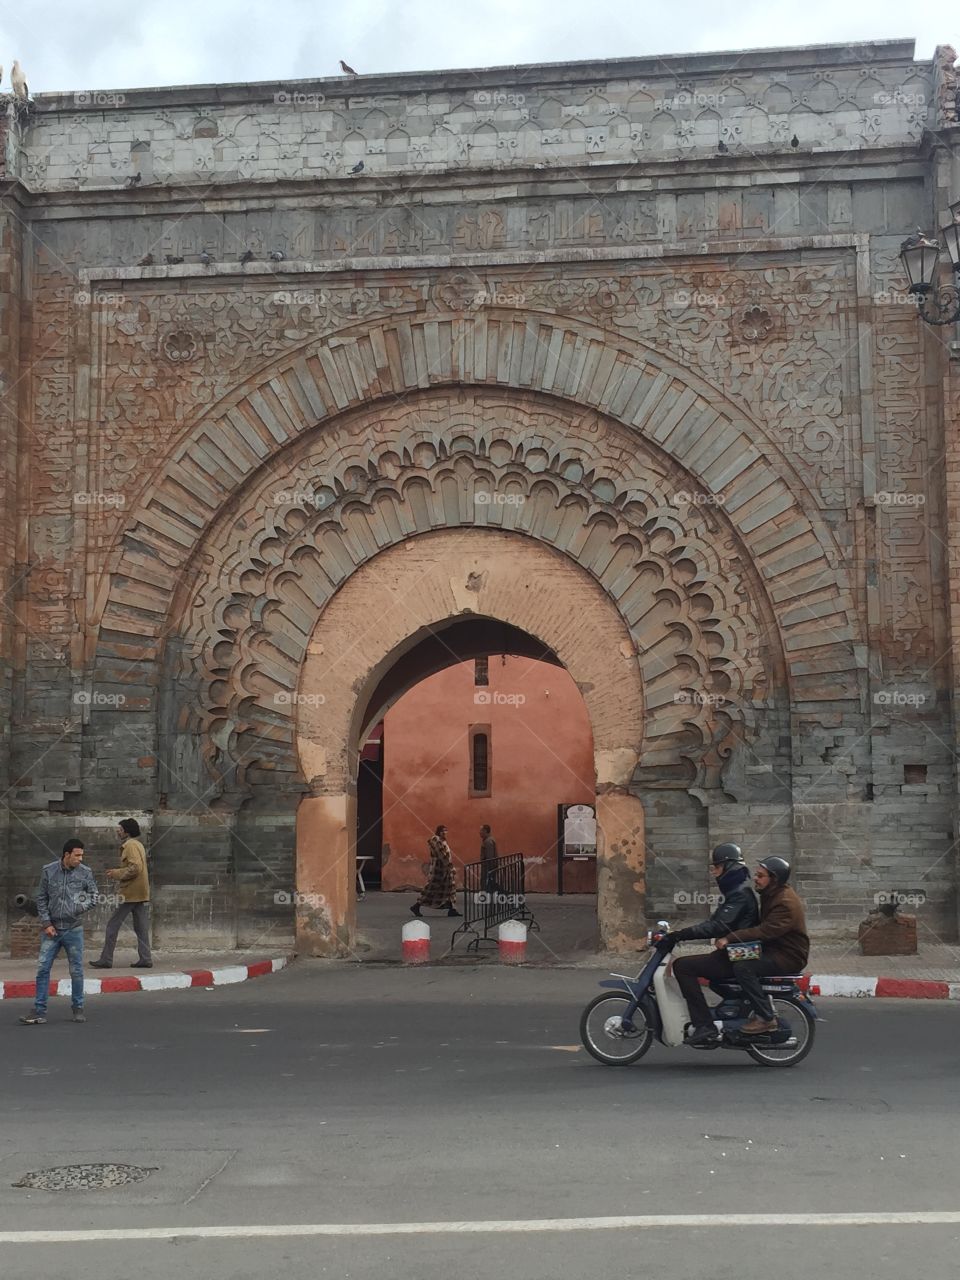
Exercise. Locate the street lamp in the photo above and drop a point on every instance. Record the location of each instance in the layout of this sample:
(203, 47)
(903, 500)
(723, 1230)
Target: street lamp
(936, 304)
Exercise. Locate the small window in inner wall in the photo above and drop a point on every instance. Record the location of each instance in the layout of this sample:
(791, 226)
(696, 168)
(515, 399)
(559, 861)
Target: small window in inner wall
(480, 760)
(481, 671)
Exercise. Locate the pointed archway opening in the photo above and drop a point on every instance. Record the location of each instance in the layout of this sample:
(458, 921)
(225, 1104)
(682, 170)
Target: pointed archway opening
(478, 726)
(442, 600)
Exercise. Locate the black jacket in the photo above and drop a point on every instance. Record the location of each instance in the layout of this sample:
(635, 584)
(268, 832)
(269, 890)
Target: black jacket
(737, 910)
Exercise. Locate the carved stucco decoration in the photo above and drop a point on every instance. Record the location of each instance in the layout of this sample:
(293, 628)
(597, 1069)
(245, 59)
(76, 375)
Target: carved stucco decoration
(795, 378)
(672, 565)
(661, 408)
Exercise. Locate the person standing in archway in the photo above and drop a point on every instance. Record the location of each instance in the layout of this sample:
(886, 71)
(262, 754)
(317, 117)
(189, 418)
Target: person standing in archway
(442, 883)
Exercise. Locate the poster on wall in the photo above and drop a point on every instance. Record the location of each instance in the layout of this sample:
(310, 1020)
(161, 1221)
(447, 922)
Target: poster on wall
(579, 830)
(576, 836)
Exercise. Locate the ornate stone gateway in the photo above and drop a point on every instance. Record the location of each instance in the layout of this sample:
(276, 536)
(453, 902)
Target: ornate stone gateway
(557, 363)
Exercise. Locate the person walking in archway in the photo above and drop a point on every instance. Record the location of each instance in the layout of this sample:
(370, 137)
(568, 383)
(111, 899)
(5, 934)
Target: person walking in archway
(134, 891)
(442, 882)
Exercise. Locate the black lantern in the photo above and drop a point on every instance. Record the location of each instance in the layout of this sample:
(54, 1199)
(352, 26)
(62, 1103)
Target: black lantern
(951, 236)
(936, 304)
(919, 257)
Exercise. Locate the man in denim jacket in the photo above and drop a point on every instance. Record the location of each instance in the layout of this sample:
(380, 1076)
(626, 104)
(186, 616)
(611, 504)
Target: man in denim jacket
(67, 890)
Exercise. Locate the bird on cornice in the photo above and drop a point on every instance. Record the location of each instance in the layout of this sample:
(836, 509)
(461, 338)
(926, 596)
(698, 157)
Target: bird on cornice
(146, 260)
(19, 82)
(794, 142)
(246, 257)
(344, 67)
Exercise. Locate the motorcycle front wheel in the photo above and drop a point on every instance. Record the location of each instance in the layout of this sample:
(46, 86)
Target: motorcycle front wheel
(801, 1027)
(604, 1035)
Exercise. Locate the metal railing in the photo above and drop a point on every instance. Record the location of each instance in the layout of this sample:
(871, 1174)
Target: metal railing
(493, 892)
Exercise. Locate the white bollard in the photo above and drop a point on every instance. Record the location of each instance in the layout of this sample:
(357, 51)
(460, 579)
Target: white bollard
(415, 942)
(512, 942)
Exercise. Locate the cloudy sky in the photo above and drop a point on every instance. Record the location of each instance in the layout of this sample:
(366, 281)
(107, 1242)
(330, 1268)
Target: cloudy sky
(118, 44)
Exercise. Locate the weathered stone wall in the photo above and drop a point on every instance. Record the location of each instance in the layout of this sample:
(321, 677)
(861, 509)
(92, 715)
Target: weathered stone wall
(696, 364)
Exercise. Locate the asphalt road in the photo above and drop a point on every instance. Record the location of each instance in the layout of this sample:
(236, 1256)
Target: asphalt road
(338, 1095)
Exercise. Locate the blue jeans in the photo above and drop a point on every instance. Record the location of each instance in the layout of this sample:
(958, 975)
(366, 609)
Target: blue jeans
(72, 942)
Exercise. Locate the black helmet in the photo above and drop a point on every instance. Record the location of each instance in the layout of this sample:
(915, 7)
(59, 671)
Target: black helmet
(725, 853)
(779, 868)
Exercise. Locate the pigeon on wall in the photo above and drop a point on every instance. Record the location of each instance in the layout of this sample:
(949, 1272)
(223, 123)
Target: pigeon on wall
(344, 67)
(134, 180)
(277, 255)
(146, 260)
(19, 82)
(246, 257)
(358, 167)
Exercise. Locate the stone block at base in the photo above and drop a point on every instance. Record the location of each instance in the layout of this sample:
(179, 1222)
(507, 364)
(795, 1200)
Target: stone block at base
(885, 936)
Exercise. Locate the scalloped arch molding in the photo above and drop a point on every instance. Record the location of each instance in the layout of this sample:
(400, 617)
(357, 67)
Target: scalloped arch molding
(729, 586)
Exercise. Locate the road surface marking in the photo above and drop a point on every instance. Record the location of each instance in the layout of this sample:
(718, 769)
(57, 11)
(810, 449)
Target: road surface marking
(929, 1218)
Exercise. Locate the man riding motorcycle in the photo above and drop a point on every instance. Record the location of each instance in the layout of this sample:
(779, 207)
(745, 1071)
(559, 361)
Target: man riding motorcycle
(785, 949)
(737, 910)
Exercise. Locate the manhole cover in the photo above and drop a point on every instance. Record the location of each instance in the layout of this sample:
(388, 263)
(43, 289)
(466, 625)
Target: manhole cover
(84, 1177)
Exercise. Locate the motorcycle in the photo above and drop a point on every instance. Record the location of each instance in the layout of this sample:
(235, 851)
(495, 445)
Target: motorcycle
(617, 1028)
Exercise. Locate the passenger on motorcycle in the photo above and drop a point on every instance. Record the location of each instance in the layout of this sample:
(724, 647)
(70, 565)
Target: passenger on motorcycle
(737, 910)
(785, 949)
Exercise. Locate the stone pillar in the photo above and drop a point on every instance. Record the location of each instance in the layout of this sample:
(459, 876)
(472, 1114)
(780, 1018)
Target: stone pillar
(326, 896)
(10, 393)
(620, 871)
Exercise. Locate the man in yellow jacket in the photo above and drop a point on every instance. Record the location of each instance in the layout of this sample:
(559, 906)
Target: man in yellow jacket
(134, 887)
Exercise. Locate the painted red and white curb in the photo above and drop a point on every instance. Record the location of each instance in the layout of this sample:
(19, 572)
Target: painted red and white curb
(858, 987)
(150, 981)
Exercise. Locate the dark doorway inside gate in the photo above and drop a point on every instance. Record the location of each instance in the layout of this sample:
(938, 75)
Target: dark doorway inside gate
(370, 810)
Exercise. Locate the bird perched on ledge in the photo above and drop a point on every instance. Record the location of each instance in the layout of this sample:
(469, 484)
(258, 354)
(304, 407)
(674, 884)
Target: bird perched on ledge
(246, 257)
(344, 67)
(277, 255)
(172, 261)
(19, 82)
(134, 180)
(146, 260)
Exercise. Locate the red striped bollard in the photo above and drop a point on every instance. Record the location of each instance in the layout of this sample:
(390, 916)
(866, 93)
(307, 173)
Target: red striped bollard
(512, 942)
(415, 942)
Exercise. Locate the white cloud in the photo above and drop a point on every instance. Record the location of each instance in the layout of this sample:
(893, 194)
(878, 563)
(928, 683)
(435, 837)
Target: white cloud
(112, 44)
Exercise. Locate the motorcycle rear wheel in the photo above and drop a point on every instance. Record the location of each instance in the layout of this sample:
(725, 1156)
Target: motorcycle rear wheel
(802, 1027)
(601, 1030)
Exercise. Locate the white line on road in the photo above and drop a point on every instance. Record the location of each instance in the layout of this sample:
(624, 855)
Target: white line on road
(918, 1218)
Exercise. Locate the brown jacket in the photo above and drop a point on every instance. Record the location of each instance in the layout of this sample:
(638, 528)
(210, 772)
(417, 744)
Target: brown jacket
(132, 881)
(782, 928)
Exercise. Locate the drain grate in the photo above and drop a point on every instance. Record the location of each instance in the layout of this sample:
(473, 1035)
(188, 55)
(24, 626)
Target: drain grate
(85, 1177)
